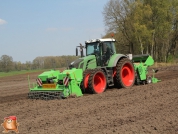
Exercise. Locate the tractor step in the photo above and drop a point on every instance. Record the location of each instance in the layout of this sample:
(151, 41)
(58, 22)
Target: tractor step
(110, 78)
(45, 95)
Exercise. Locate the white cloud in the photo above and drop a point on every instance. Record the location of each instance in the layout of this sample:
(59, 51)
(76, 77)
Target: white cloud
(2, 22)
(51, 29)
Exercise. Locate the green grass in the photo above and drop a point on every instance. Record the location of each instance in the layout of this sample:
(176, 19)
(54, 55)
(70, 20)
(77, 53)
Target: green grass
(13, 73)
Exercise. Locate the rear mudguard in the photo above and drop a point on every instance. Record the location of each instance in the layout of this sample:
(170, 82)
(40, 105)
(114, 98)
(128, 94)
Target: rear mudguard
(115, 58)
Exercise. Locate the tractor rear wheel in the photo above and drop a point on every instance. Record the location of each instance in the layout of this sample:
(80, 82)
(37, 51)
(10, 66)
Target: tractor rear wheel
(125, 74)
(97, 82)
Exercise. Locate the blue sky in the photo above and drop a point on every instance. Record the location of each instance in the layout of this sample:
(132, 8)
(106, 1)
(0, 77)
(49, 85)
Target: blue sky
(32, 28)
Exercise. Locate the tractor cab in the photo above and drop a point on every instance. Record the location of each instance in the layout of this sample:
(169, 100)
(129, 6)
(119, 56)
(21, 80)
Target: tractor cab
(103, 49)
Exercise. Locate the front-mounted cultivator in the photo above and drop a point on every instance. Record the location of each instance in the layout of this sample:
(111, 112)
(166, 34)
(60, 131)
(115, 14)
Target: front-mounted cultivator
(102, 67)
(56, 85)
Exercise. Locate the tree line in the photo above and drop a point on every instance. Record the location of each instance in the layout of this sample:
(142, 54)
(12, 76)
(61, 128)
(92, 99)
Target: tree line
(140, 27)
(144, 27)
(48, 62)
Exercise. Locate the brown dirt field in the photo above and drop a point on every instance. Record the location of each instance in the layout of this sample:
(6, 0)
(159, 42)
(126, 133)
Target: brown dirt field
(141, 109)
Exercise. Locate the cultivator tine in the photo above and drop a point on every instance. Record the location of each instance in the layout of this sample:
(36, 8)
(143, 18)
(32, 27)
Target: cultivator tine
(51, 97)
(34, 95)
(46, 96)
(57, 95)
(42, 95)
(37, 96)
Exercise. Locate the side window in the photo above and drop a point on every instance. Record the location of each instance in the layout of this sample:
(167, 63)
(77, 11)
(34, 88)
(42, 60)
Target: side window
(113, 47)
(110, 46)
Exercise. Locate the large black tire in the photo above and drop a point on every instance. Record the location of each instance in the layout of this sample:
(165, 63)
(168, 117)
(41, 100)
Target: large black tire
(84, 83)
(125, 74)
(97, 82)
(137, 78)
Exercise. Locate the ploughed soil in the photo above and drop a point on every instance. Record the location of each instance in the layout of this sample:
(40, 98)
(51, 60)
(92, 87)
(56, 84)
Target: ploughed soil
(151, 108)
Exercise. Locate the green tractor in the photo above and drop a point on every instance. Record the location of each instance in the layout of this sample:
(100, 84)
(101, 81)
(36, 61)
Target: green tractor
(102, 67)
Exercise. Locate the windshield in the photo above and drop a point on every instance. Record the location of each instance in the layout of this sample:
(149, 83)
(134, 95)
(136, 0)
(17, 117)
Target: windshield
(94, 48)
(91, 48)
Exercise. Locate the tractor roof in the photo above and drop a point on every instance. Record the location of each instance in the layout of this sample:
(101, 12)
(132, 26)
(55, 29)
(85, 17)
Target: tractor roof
(100, 40)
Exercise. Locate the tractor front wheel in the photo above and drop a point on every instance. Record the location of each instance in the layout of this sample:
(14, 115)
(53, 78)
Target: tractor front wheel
(97, 82)
(125, 74)
(84, 83)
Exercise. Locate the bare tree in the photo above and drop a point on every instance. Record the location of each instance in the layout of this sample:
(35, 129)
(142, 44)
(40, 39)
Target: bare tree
(116, 17)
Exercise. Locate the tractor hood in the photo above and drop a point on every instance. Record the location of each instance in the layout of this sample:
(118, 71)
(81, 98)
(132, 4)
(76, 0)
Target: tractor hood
(75, 63)
(83, 62)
